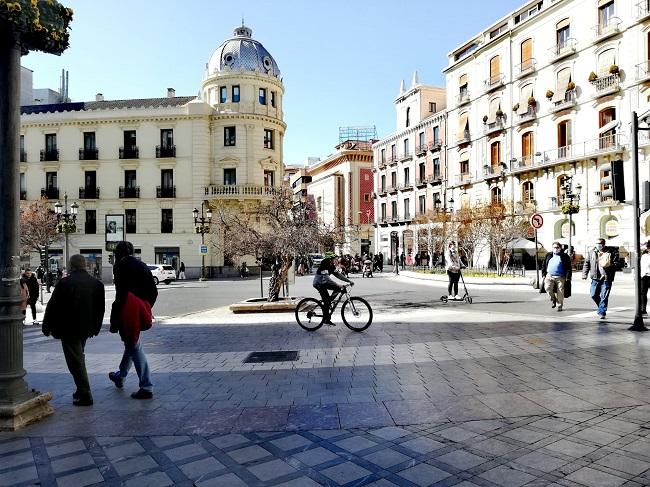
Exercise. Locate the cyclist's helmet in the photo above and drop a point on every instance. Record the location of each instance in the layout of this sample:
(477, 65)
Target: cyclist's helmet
(329, 255)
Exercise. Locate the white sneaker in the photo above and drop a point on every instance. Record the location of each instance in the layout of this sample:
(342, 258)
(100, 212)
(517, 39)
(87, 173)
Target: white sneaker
(457, 297)
(451, 297)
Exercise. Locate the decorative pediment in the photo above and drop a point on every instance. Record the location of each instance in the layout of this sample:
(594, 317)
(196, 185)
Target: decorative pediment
(227, 161)
(269, 164)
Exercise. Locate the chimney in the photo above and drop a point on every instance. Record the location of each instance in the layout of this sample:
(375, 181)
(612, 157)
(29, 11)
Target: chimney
(99, 97)
(171, 92)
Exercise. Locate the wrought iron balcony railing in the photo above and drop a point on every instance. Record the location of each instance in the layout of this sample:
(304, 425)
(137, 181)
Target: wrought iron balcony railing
(88, 193)
(88, 154)
(50, 193)
(165, 191)
(563, 49)
(129, 192)
(607, 84)
(49, 154)
(130, 152)
(525, 68)
(165, 151)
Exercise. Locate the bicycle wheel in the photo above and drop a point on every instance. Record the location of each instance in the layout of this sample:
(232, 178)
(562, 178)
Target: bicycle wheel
(356, 314)
(309, 314)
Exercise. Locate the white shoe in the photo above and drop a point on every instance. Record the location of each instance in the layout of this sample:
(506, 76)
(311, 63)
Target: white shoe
(457, 297)
(450, 297)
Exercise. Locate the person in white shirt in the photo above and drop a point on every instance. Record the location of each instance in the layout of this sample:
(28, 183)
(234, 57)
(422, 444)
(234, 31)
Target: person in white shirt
(645, 277)
(453, 265)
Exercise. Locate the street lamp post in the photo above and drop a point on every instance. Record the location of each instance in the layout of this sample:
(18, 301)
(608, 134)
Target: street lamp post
(568, 208)
(202, 226)
(66, 222)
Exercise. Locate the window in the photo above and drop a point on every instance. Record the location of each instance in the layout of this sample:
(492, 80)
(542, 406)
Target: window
(606, 59)
(607, 124)
(393, 179)
(366, 197)
(50, 142)
(223, 94)
(383, 211)
(499, 30)
(526, 55)
(262, 96)
(90, 182)
(408, 116)
(383, 182)
(563, 33)
(527, 148)
(495, 108)
(50, 181)
(166, 138)
(422, 171)
(561, 181)
(166, 220)
(235, 93)
(466, 51)
(407, 211)
(564, 134)
(528, 192)
(436, 135)
(407, 176)
(269, 178)
(130, 178)
(421, 139)
(130, 220)
(495, 154)
(90, 226)
(528, 12)
(23, 156)
(495, 196)
(319, 204)
(463, 86)
(605, 13)
(406, 147)
(422, 204)
(563, 78)
(89, 141)
(464, 164)
(167, 183)
(229, 136)
(393, 152)
(229, 176)
(495, 70)
(129, 139)
(23, 188)
(525, 94)
(432, 107)
(273, 99)
(436, 168)
(393, 210)
(268, 139)
(463, 126)
(383, 156)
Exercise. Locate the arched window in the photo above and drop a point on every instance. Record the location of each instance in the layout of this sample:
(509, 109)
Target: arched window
(408, 116)
(526, 55)
(561, 180)
(527, 148)
(496, 196)
(463, 86)
(495, 70)
(463, 126)
(528, 192)
(464, 163)
(563, 137)
(525, 95)
(495, 154)
(563, 33)
(563, 78)
(606, 59)
(495, 109)
(607, 124)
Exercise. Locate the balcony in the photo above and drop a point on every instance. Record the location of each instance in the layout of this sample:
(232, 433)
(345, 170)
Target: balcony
(607, 144)
(436, 145)
(23, 155)
(166, 227)
(494, 82)
(643, 11)
(241, 191)
(88, 193)
(50, 193)
(434, 179)
(391, 189)
(88, 154)
(382, 191)
(166, 192)
(494, 170)
(463, 137)
(383, 220)
(165, 151)
(406, 156)
(382, 165)
(528, 116)
(643, 71)
(420, 182)
(524, 69)
(90, 227)
(392, 160)
(563, 49)
(463, 178)
(130, 152)
(133, 192)
(49, 154)
(406, 187)
(407, 218)
(23, 195)
(497, 126)
(462, 98)
(601, 199)
(421, 150)
(607, 84)
(604, 31)
(569, 101)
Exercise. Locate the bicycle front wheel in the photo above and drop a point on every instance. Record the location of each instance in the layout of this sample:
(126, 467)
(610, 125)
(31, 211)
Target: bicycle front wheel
(356, 314)
(309, 314)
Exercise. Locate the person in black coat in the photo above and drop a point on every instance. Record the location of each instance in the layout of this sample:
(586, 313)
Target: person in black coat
(131, 275)
(33, 287)
(74, 313)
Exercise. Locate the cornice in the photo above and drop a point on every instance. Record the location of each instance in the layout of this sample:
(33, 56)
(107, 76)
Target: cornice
(435, 119)
(241, 75)
(119, 120)
(247, 116)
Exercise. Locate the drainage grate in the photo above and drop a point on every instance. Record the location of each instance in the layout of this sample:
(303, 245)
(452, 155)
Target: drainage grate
(275, 356)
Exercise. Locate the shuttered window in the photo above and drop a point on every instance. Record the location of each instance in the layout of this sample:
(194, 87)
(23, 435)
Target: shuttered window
(495, 153)
(464, 163)
(525, 94)
(463, 124)
(495, 69)
(605, 60)
(526, 52)
(527, 144)
(495, 105)
(563, 78)
(462, 81)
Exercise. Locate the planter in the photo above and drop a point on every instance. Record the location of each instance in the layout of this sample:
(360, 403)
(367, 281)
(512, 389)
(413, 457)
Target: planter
(499, 113)
(549, 94)
(592, 77)
(532, 102)
(569, 209)
(515, 107)
(613, 69)
(571, 86)
(485, 118)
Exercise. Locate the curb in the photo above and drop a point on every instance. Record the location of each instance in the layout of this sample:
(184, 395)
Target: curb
(506, 281)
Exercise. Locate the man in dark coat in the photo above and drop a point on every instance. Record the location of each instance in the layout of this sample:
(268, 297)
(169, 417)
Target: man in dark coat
(74, 314)
(131, 275)
(33, 287)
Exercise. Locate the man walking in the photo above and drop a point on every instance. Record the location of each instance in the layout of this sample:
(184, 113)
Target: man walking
(556, 271)
(600, 266)
(74, 313)
(645, 278)
(131, 276)
(33, 287)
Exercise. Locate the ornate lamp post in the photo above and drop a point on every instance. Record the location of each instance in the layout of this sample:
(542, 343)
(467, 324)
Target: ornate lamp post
(24, 26)
(202, 226)
(568, 207)
(67, 222)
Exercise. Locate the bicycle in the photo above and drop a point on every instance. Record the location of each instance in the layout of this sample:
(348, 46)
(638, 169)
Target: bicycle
(355, 312)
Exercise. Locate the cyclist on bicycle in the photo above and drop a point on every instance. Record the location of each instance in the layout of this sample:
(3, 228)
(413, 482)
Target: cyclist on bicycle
(322, 282)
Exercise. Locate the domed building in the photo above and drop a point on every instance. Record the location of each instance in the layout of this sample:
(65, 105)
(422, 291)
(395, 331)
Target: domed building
(155, 160)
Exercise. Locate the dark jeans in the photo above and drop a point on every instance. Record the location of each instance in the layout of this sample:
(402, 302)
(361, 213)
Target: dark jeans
(645, 285)
(32, 305)
(326, 298)
(73, 351)
(600, 290)
(454, 277)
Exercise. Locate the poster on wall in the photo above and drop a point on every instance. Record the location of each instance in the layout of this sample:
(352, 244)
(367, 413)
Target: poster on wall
(114, 230)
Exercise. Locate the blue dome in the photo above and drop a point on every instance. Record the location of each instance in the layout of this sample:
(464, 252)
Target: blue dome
(242, 53)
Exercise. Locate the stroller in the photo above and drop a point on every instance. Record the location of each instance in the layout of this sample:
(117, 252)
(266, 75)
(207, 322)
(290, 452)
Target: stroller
(466, 297)
(366, 271)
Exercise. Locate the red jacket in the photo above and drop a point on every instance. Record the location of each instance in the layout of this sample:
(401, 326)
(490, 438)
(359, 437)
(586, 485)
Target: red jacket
(136, 317)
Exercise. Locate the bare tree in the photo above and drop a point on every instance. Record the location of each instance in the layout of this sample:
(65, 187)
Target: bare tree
(277, 230)
(38, 226)
(504, 226)
(471, 232)
(435, 228)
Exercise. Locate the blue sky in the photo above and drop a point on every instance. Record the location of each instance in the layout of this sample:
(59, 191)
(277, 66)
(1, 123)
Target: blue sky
(341, 61)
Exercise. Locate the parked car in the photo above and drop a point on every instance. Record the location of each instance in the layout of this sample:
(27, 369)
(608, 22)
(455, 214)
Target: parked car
(164, 273)
(316, 259)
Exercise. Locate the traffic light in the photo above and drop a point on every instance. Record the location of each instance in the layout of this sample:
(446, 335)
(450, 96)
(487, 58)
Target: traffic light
(613, 183)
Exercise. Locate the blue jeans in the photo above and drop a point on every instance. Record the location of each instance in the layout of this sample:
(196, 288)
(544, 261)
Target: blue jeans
(600, 290)
(134, 355)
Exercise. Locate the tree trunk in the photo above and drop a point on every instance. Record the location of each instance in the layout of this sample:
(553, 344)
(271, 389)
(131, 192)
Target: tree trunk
(279, 274)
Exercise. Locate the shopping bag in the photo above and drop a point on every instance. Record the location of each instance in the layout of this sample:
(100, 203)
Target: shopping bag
(567, 289)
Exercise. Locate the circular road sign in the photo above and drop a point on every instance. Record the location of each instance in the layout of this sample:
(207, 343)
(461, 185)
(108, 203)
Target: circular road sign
(536, 221)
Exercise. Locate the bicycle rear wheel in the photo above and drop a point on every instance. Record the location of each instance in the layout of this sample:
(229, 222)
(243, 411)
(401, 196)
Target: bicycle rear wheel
(309, 314)
(356, 314)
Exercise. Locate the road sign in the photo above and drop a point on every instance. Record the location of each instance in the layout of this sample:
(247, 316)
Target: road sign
(203, 250)
(536, 221)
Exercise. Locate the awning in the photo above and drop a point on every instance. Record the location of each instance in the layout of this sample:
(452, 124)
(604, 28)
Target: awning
(526, 93)
(495, 105)
(563, 78)
(609, 126)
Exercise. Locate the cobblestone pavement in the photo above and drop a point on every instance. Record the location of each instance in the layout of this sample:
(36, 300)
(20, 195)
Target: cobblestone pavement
(451, 396)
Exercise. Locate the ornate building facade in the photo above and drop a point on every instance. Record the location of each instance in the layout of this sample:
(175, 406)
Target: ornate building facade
(149, 162)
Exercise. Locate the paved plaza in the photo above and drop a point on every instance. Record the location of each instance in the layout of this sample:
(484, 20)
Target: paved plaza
(503, 392)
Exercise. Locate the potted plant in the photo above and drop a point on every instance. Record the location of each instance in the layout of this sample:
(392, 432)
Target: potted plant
(549, 94)
(515, 107)
(592, 77)
(613, 69)
(571, 86)
(499, 113)
(532, 102)
(570, 209)
(485, 118)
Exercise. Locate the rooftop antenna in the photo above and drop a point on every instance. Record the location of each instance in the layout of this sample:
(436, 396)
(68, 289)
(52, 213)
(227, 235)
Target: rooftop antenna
(242, 20)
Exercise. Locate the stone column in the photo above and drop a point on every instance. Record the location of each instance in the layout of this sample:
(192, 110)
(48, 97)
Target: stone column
(18, 405)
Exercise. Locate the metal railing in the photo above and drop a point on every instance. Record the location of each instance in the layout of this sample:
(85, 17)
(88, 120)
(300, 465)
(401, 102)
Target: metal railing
(166, 227)
(88, 193)
(165, 151)
(525, 161)
(606, 83)
(391, 189)
(435, 145)
(563, 49)
(569, 100)
(88, 154)
(405, 155)
(531, 114)
(643, 9)
(241, 190)
(49, 154)
(462, 98)
(611, 27)
(433, 178)
(133, 192)
(494, 170)
(494, 82)
(405, 186)
(421, 182)
(420, 150)
(526, 67)
(129, 152)
(463, 178)
(495, 126)
(463, 137)
(165, 191)
(392, 159)
(604, 144)
(50, 193)
(643, 71)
